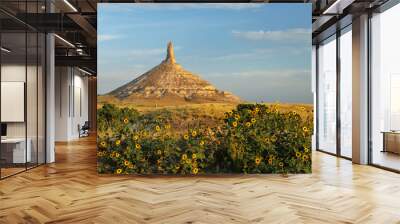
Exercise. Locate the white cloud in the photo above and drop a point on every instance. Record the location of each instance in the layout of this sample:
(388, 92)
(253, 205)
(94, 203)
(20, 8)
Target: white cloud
(278, 73)
(263, 53)
(253, 53)
(229, 6)
(150, 52)
(121, 7)
(297, 34)
(147, 52)
(107, 37)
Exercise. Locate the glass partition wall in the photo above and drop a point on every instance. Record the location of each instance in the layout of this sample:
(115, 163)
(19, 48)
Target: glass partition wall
(345, 91)
(334, 86)
(327, 95)
(385, 89)
(22, 107)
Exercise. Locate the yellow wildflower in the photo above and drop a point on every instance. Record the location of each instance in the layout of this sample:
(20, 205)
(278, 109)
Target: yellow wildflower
(117, 155)
(119, 171)
(257, 109)
(184, 157)
(298, 154)
(273, 138)
(126, 163)
(118, 142)
(194, 156)
(253, 120)
(126, 120)
(234, 124)
(194, 133)
(158, 128)
(280, 164)
(305, 129)
(136, 137)
(306, 149)
(270, 161)
(305, 157)
(237, 116)
(186, 137)
(248, 124)
(177, 167)
(201, 143)
(138, 146)
(103, 144)
(195, 170)
(257, 160)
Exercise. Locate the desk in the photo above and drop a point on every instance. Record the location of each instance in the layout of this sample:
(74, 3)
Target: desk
(16, 147)
(391, 141)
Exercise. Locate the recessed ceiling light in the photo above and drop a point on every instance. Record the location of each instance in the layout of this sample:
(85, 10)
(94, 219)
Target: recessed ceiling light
(5, 50)
(84, 71)
(64, 40)
(70, 5)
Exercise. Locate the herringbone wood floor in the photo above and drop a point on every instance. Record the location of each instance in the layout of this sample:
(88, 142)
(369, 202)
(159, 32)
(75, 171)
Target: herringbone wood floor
(70, 191)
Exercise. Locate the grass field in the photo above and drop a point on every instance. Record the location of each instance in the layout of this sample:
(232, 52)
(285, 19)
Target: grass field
(183, 115)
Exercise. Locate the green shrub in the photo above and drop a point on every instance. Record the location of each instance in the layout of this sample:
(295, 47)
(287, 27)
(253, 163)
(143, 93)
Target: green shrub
(253, 138)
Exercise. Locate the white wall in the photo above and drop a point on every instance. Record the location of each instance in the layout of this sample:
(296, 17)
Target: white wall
(71, 94)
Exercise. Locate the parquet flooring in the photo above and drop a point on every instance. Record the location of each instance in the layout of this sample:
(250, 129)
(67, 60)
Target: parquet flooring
(70, 191)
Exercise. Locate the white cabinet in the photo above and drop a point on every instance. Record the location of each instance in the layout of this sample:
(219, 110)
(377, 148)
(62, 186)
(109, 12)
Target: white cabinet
(19, 155)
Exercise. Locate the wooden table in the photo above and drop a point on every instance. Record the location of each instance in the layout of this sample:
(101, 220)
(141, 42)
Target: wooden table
(391, 141)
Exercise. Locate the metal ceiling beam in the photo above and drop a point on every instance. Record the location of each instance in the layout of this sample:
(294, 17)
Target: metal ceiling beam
(338, 6)
(49, 22)
(80, 61)
(86, 26)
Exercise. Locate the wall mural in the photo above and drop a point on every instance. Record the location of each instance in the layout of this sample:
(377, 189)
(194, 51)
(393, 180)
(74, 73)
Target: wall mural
(247, 108)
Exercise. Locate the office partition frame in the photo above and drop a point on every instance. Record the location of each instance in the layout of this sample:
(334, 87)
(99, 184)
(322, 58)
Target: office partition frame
(338, 33)
(39, 117)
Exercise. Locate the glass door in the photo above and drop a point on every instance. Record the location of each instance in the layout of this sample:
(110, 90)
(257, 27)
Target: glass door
(346, 92)
(327, 95)
(14, 155)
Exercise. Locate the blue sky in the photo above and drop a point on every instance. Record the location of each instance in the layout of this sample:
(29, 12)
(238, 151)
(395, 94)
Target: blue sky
(260, 52)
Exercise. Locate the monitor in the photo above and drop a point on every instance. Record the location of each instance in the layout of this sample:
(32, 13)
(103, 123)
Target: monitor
(3, 129)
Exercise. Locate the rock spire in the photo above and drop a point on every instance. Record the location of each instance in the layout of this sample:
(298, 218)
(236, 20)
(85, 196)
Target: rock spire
(171, 83)
(170, 53)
